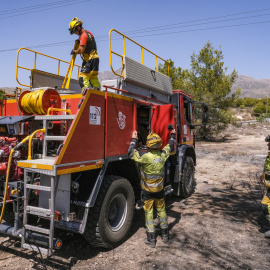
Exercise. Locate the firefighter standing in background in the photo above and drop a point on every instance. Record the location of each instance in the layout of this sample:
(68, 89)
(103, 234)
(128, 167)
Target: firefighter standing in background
(88, 51)
(265, 178)
(152, 180)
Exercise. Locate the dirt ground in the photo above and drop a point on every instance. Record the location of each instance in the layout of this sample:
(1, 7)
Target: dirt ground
(221, 226)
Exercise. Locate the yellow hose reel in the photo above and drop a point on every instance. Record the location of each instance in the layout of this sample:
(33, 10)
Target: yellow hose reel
(38, 102)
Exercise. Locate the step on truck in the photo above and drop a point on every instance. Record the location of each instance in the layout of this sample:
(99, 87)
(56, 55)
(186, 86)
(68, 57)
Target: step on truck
(64, 162)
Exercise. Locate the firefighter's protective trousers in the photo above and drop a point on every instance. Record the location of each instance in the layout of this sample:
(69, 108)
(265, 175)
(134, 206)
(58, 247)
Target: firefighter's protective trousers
(149, 201)
(266, 182)
(89, 71)
(152, 181)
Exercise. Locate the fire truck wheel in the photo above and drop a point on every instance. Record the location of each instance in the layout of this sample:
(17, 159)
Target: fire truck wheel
(110, 220)
(187, 184)
(8, 213)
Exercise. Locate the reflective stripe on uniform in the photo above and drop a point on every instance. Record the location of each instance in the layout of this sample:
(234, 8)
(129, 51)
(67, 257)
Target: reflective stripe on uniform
(164, 226)
(151, 189)
(150, 229)
(149, 222)
(151, 185)
(151, 176)
(163, 221)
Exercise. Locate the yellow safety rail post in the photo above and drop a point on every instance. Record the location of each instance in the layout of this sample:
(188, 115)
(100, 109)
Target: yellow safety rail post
(70, 67)
(59, 61)
(30, 142)
(124, 51)
(58, 110)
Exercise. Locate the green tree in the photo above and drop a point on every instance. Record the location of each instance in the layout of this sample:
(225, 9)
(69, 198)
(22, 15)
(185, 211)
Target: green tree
(178, 75)
(2, 94)
(207, 82)
(260, 107)
(210, 84)
(238, 102)
(249, 102)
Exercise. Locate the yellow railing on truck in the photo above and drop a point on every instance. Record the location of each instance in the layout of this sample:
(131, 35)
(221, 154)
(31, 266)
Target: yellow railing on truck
(59, 61)
(124, 53)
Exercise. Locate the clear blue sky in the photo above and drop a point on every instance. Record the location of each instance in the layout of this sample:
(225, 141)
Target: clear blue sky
(183, 27)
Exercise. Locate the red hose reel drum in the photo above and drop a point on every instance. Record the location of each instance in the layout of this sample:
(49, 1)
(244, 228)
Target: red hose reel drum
(38, 102)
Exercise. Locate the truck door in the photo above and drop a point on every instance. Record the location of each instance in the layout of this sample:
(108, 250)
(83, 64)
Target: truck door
(161, 117)
(187, 121)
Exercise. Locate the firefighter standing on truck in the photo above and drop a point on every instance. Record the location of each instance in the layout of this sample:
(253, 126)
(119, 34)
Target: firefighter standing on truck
(88, 51)
(265, 178)
(152, 166)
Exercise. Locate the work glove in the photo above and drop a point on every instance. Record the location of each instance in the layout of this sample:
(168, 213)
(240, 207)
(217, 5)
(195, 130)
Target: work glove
(72, 52)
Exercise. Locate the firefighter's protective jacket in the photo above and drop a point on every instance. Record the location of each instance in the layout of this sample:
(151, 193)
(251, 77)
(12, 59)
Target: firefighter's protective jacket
(152, 165)
(266, 181)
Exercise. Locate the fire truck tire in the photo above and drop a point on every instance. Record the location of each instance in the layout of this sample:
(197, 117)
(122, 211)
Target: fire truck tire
(187, 185)
(8, 213)
(110, 220)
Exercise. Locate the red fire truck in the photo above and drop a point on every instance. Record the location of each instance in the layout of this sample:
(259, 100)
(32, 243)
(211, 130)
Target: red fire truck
(64, 161)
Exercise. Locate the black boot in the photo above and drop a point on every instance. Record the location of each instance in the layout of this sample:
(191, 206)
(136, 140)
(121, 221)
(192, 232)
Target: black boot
(150, 240)
(165, 235)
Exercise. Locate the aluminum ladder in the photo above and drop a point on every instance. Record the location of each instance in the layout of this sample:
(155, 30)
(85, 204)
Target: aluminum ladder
(41, 212)
(49, 214)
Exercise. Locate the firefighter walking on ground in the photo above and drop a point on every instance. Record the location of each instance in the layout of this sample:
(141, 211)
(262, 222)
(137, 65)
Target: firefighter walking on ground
(152, 180)
(88, 51)
(265, 178)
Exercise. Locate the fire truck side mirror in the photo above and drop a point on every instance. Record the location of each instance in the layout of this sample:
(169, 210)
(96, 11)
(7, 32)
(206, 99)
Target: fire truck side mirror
(204, 114)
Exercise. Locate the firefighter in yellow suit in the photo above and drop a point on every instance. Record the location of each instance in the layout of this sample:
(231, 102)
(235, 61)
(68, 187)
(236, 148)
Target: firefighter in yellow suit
(152, 180)
(88, 50)
(265, 178)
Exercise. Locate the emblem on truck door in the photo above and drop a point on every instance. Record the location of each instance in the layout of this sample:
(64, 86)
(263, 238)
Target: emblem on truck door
(121, 120)
(94, 116)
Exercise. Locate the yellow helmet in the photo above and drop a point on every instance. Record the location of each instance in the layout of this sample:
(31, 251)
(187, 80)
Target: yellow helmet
(73, 24)
(153, 141)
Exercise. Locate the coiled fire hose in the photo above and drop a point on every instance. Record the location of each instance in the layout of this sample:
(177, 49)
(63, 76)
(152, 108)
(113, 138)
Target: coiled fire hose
(32, 102)
(30, 137)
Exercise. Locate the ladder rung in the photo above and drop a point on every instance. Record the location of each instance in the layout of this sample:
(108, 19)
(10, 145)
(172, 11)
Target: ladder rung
(37, 187)
(35, 248)
(54, 138)
(37, 229)
(38, 211)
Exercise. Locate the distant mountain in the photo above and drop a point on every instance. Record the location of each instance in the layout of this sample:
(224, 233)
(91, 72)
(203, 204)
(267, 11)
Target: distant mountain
(107, 75)
(251, 87)
(8, 90)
